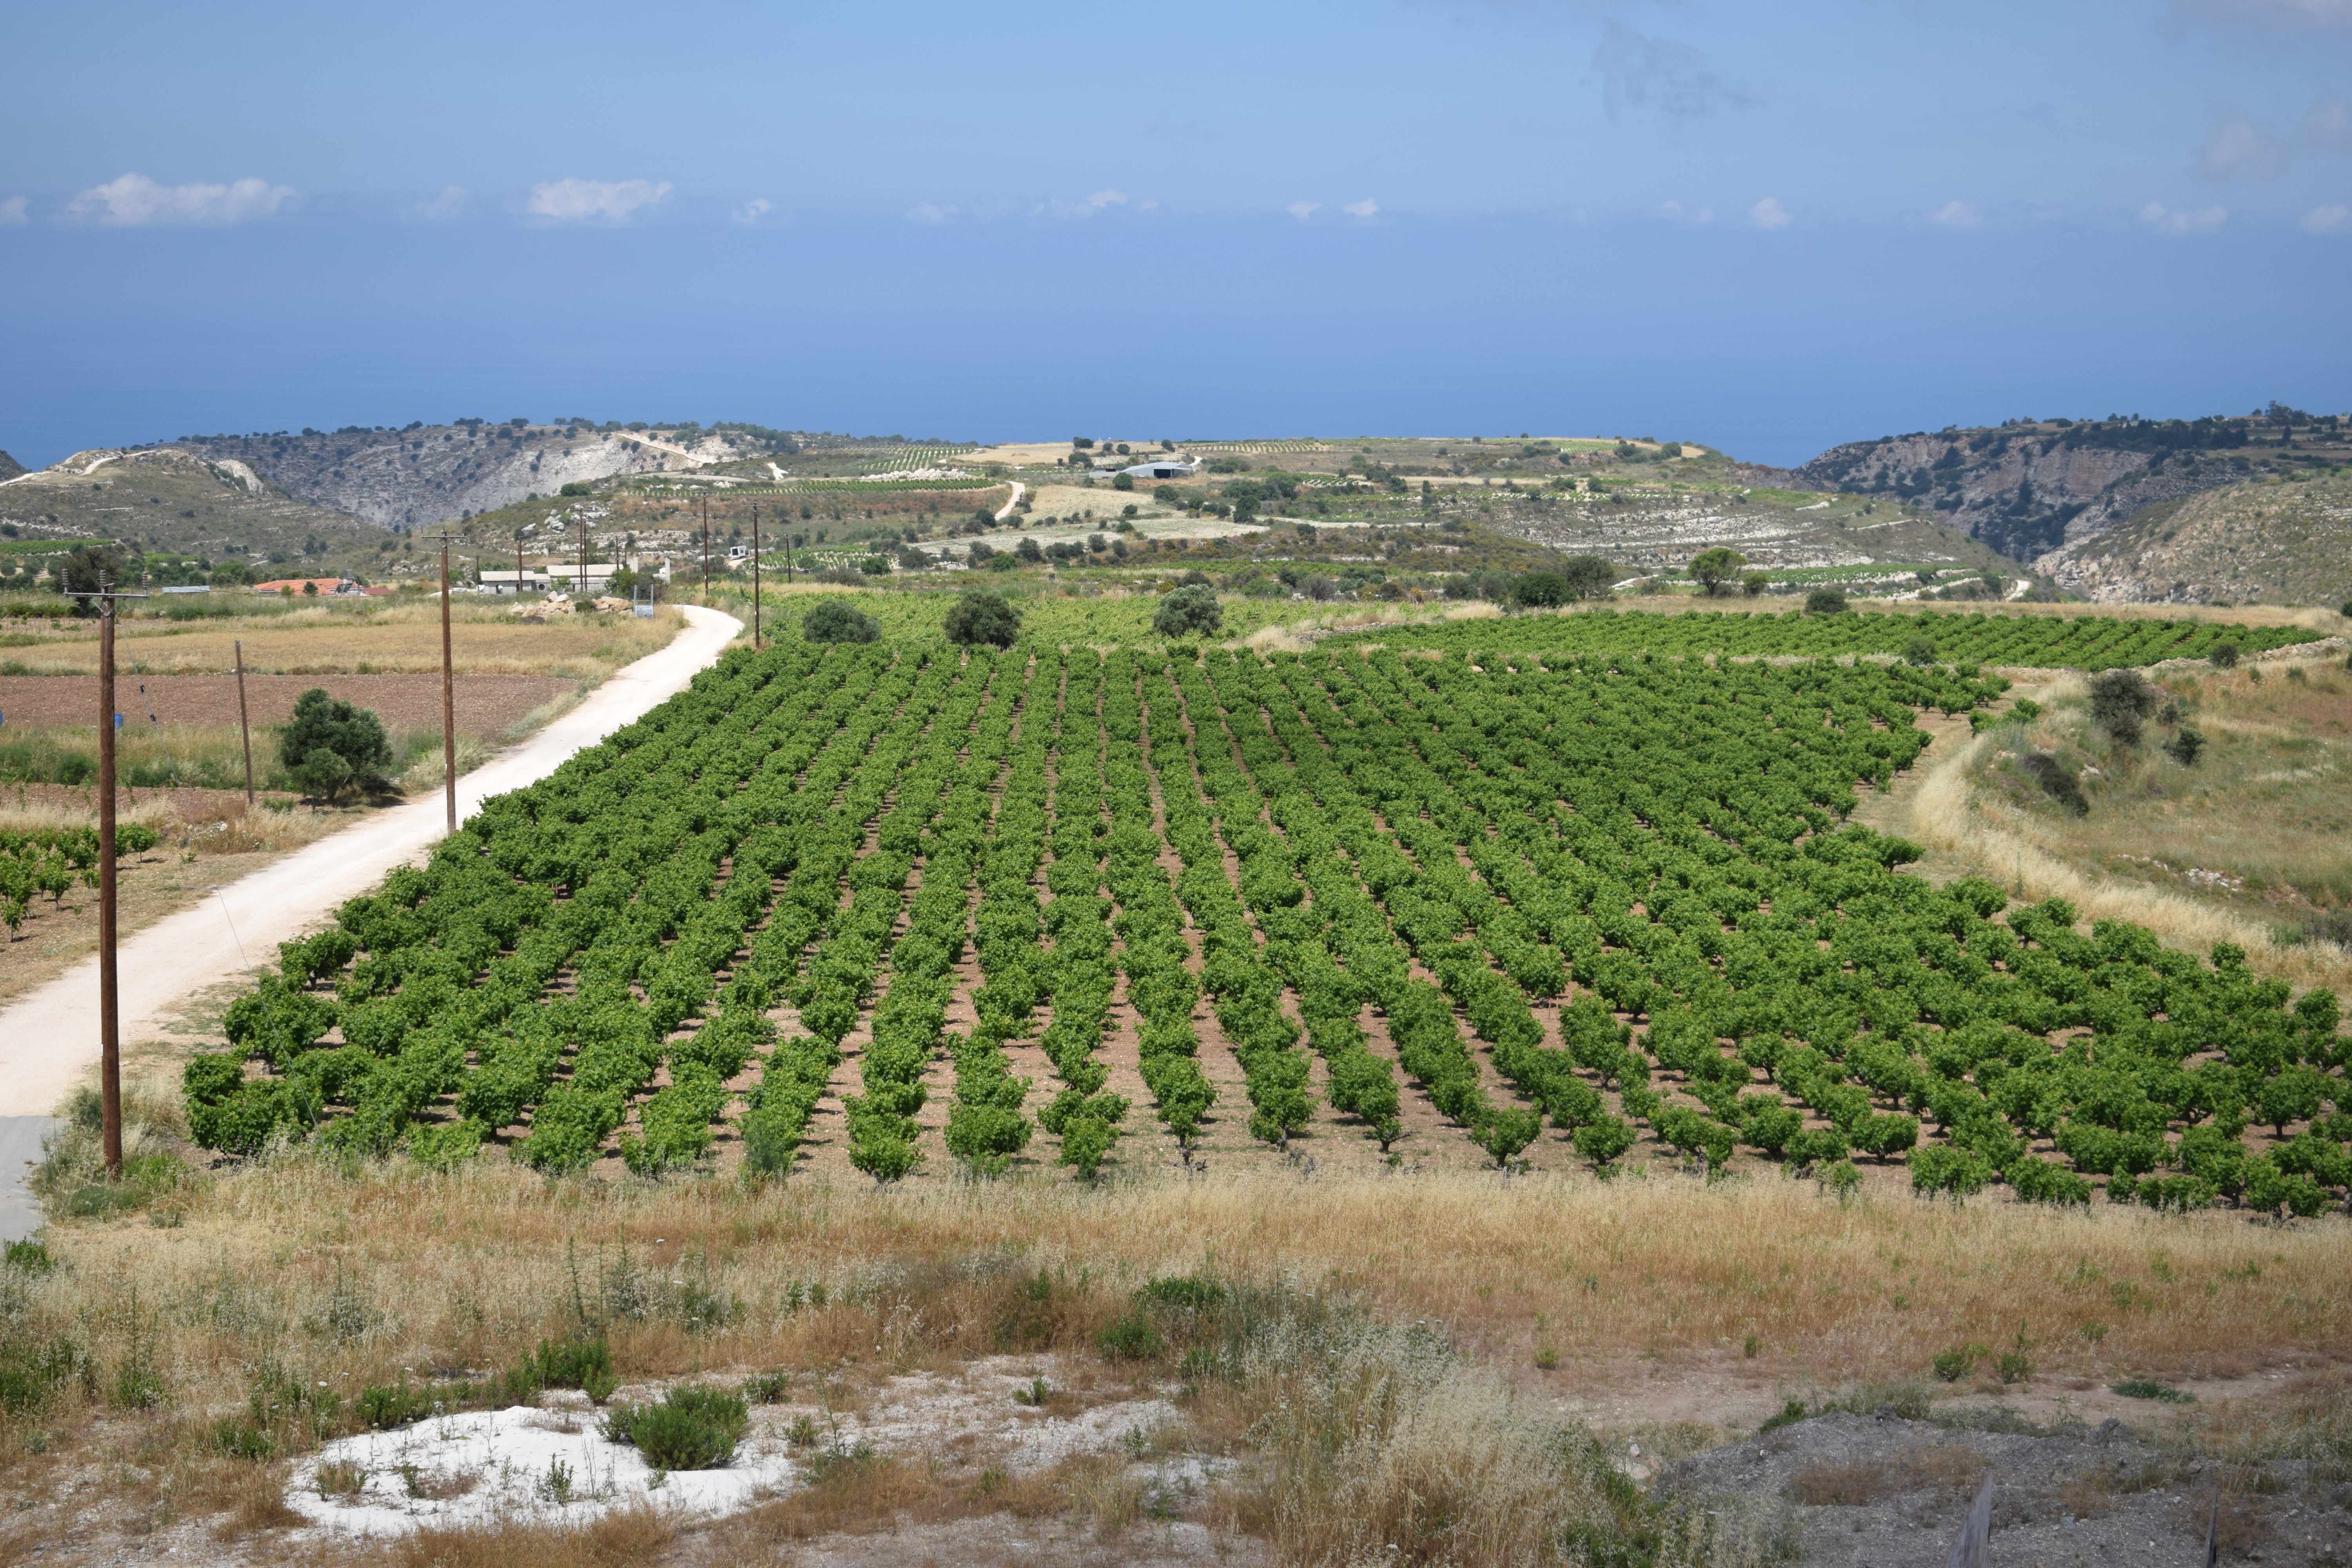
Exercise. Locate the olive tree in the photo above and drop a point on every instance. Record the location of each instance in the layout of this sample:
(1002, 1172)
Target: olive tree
(1714, 568)
(331, 747)
(1191, 611)
(980, 616)
(838, 621)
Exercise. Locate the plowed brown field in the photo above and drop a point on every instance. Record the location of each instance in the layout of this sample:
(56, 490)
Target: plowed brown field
(487, 704)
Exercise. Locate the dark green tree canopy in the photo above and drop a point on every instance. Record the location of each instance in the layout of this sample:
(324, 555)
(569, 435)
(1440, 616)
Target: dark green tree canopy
(838, 620)
(1716, 567)
(979, 617)
(1189, 610)
(1824, 602)
(332, 748)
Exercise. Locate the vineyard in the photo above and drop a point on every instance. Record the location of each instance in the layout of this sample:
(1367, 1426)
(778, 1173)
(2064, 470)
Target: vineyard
(52, 860)
(1570, 904)
(2079, 642)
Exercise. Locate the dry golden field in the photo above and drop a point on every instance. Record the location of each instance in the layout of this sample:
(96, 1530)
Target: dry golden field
(374, 636)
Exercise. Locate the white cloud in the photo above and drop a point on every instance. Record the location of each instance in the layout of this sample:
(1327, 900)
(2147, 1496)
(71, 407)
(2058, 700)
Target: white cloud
(1956, 214)
(2164, 220)
(12, 210)
(2292, 15)
(1679, 213)
(1101, 199)
(449, 203)
(1769, 213)
(2336, 219)
(928, 212)
(133, 200)
(749, 213)
(578, 201)
(1302, 211)
(1365, 208)
(2240, 150)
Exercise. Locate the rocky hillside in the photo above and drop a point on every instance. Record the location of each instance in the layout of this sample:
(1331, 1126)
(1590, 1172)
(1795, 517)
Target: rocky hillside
(2280, 540)
(9, 467)
(167, 499)
(2029, 486)
(428, 474)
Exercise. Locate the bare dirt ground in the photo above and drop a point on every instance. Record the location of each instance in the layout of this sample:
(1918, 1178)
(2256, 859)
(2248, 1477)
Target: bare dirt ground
(487, 704)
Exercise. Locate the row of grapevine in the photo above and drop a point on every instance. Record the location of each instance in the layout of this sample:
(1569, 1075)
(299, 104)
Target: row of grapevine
(2082, 642)
(52, 859)
(1602, 888)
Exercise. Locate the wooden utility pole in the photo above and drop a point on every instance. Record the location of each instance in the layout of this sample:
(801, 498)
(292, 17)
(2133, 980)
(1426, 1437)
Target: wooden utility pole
(788, 548)
(110, 1011)
(448, 700)
(243, 725)
(755, 574)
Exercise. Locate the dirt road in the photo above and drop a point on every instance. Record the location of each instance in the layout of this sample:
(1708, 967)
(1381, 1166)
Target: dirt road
(49, 1038)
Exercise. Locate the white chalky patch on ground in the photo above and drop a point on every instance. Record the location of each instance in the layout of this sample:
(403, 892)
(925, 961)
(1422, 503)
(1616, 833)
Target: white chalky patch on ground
(475, 1467)
(500, 1464)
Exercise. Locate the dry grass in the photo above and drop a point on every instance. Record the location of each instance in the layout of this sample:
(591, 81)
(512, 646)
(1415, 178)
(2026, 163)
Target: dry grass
(1355, 1382)
(362, 639)
(467, 1269)
(627, 1538)
(2265, 807)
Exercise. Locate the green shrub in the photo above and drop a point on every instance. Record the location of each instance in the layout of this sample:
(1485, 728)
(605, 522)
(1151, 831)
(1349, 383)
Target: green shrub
(1187, 612)
(1825, 602)
(28, 1256)
(693, 1428)
(2148, 1388)
(329, 746)
(979, 617)
(583, 1364)
(32, 1369)
(1130, 1337)
(237, 1437)
(1194, 1292)
(839, 621)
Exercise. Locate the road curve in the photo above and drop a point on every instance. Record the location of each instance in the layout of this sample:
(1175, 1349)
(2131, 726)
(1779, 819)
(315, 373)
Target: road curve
(48, 1038)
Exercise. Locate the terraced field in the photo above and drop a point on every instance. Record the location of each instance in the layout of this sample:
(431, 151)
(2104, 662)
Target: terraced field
(1574, 904)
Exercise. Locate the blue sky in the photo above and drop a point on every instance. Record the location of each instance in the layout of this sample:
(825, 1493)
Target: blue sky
(1770, 228)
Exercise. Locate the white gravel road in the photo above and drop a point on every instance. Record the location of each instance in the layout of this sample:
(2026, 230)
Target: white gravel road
(48, 1039)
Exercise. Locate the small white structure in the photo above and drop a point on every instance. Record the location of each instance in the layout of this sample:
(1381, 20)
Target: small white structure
(1163, 468)
(583, 580)
(495, 581)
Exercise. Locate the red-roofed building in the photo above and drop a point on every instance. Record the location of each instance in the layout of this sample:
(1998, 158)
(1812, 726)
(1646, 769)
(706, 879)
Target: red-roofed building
(297, 586)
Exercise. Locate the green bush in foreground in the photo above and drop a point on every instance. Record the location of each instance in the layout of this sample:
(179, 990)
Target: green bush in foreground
(693, 1428)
